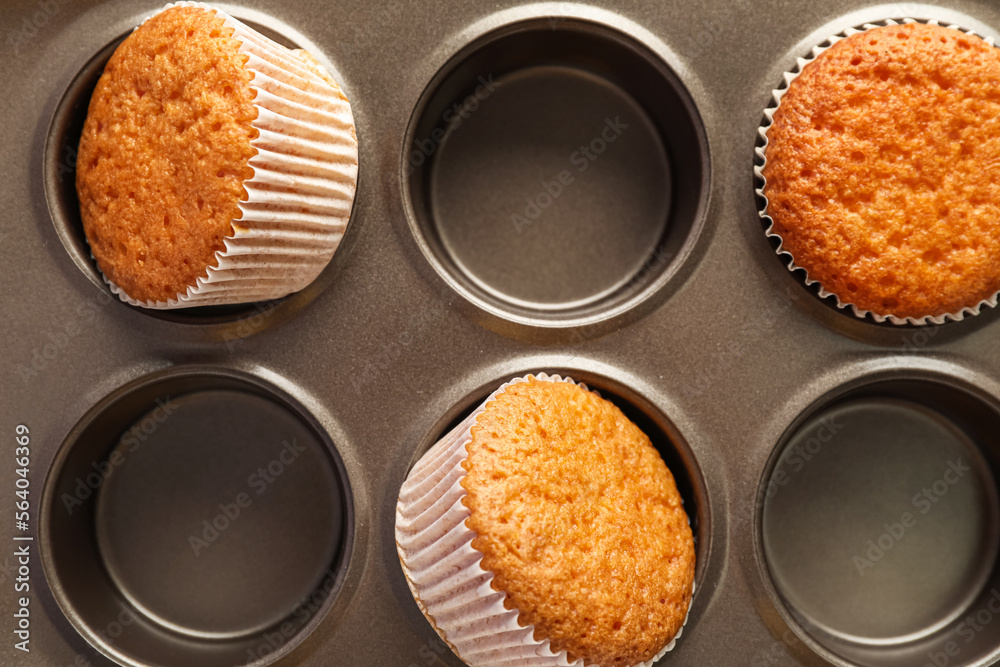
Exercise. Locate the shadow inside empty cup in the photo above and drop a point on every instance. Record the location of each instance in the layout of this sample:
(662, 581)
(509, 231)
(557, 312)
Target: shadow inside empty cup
(555, 169)
(196, 519)
(880, 524)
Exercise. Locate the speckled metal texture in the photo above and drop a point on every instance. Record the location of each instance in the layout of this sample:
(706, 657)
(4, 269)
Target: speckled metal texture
(704, 338)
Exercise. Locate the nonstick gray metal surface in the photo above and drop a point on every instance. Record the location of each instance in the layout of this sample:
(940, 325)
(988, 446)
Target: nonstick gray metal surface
(563, 187)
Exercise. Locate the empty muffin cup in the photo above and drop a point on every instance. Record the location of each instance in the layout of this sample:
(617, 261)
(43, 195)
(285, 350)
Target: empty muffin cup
(880, 524)
(196, 517)
(556, 171)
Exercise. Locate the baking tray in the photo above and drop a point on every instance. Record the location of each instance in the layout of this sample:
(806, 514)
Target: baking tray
(646, 275)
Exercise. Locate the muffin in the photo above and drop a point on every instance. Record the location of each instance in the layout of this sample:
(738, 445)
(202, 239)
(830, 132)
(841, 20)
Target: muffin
(215, 165)
(545, 529)
(882, 172)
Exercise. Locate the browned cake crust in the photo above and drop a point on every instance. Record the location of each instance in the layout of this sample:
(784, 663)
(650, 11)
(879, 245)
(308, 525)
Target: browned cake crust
(883, 170)
(580, 522)
(164, 153)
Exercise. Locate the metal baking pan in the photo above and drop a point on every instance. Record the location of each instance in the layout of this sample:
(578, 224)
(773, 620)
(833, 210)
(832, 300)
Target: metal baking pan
(557, 186)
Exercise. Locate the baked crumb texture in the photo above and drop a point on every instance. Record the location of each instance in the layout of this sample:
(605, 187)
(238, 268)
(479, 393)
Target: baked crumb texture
(883, 170)
(580, 522)
(164, 153)
(546, 527)
(215, 166)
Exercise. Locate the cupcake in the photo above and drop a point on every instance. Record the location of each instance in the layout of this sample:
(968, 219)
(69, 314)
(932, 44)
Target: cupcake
(881, 171)
(215, 165)
(545, 529)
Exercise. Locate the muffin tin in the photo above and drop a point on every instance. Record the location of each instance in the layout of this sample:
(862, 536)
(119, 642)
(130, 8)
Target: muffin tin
(801, 437)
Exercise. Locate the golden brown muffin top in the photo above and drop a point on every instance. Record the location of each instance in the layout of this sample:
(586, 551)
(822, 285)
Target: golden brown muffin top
(165, 151)
(883, 170)
(580, 522)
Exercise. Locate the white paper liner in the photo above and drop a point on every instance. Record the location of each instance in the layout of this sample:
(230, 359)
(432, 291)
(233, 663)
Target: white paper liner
(776, 96)
(444, 571)
(302, 191)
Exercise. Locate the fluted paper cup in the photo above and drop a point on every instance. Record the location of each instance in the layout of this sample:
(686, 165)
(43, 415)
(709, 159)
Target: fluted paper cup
(302, 191)
(842, 302)
(444, 571)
